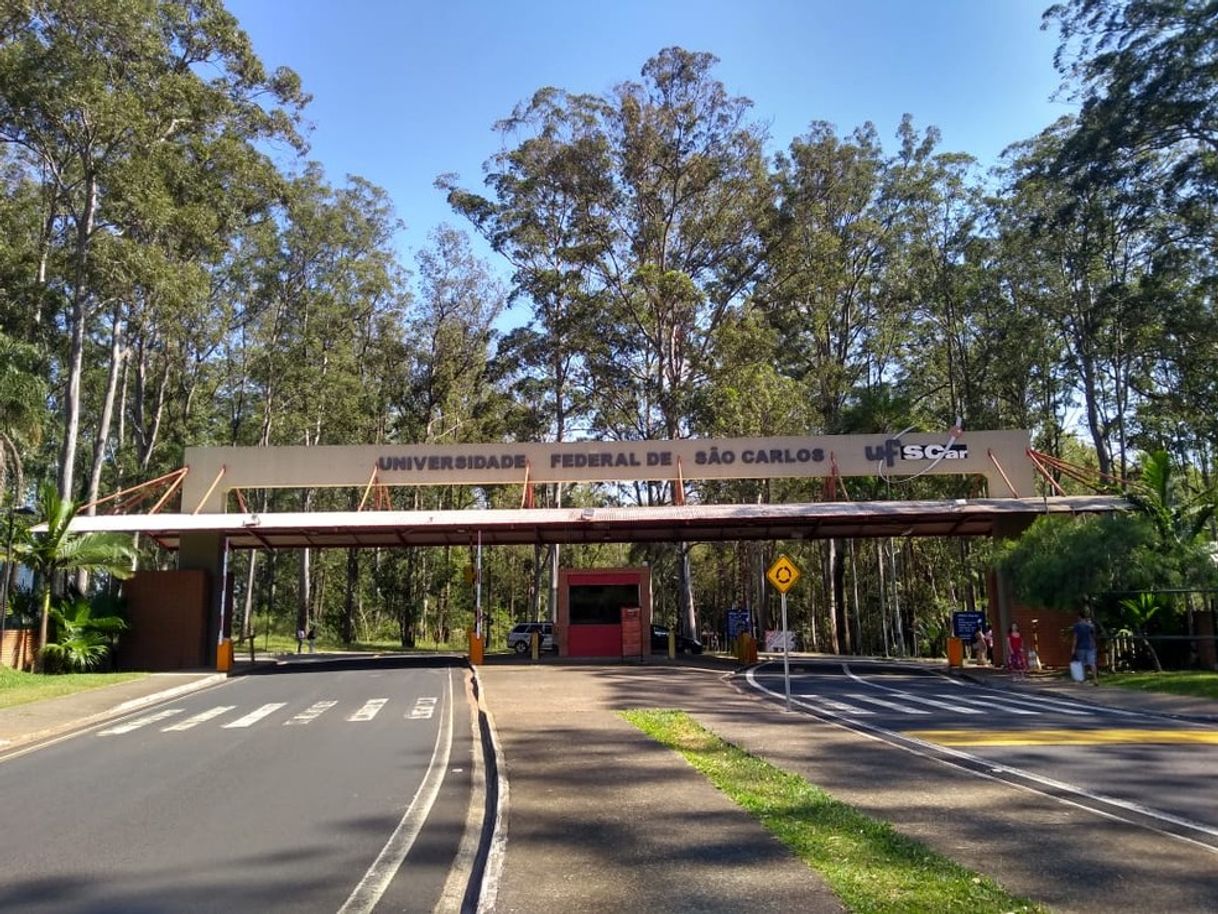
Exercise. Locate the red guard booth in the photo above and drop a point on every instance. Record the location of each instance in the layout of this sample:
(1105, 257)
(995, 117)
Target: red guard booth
(590, 612)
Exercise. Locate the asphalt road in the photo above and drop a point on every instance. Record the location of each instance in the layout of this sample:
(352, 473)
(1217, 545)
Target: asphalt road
(327, 788)
(1148, 770)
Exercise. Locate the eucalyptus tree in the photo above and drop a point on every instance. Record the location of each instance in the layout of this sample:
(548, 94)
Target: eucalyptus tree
(649, 199)
(821, 290)
(1144, 72)
(682, 250)
(131, 76)
(549, 195)
(323, 292)
(1089, 253)
(448, 393)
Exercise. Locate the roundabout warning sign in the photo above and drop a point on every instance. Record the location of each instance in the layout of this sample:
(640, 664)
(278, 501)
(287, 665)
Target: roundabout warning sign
(783, 574)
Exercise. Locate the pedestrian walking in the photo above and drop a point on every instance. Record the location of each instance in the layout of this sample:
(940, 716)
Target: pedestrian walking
(1017, 661)
(980, 648)
(312, 638)
(1083, 646)
(300, 638)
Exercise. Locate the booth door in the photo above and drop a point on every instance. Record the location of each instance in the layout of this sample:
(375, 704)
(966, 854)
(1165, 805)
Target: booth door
(595, 618)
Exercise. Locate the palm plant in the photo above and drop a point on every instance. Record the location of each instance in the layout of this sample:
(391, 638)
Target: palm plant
(1179, 516)
(85, 635)
(1137, 612)
(53, 548)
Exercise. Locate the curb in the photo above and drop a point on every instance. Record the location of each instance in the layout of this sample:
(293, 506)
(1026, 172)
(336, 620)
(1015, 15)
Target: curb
(126, 707)
(483, 890)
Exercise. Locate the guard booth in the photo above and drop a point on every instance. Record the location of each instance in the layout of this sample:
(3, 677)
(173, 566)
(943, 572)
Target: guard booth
(590, 612)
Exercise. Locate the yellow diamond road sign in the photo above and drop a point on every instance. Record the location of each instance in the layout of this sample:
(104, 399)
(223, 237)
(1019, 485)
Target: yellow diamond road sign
(783, 574)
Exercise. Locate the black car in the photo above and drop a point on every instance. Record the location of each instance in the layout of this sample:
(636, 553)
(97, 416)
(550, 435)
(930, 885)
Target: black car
(659, 642)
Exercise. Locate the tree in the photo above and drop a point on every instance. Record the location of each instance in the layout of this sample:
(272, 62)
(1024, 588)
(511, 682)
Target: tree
(1145, 73)
(131, 78)
(56, 549)
(1059, 562)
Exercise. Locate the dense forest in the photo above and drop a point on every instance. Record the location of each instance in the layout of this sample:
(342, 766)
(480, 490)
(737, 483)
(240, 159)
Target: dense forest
(175, 271)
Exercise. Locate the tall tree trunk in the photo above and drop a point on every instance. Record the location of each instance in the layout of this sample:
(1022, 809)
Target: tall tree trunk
(117, 356)
(76, 348)
(347, 632)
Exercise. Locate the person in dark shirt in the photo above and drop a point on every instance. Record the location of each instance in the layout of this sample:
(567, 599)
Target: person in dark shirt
(1083, 646)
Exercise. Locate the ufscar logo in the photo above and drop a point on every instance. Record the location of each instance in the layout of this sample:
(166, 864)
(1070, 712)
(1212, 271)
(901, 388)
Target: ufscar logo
(934, 452)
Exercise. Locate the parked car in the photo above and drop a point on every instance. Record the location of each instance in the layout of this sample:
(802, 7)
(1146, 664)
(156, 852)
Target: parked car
(659, 642)
(519, 638)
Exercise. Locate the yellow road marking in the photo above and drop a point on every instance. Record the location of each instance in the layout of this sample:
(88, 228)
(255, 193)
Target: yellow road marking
(1062, 737)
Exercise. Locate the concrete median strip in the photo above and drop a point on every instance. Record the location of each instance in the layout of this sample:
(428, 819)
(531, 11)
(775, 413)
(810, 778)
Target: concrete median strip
(868, 864)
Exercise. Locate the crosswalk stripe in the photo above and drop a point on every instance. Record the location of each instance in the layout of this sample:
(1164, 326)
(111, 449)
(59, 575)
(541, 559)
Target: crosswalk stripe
(198, 719)
(1036, 701)
(254, 716)
(141, 722)
(369, 710)
(839, 706)
(990, 704)
(891, 705)
(311, 713)
(958, 709)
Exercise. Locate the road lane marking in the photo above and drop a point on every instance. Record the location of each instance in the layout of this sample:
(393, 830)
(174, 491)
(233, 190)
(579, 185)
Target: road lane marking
(891, 705)
(990, 703)
(311, 713)
(369, 890)
(423, 709)
(140, 722)
(370, 709)
(1065, 737)
(198, 719)
(1098, 804)
(254, 716)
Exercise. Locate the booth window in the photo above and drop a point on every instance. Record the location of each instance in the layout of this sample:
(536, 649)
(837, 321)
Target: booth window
(601, 604)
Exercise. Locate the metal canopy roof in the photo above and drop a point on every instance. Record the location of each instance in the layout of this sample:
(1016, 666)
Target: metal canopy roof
(705, 523)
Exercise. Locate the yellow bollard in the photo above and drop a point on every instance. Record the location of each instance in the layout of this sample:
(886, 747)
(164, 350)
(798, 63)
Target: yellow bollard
(955, 652)
(475, 648)
(224, 655)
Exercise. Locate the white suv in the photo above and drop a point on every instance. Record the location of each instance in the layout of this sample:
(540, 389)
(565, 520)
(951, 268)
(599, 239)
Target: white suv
(518, 638)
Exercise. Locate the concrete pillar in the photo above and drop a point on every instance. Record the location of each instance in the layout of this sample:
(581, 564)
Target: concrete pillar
(205, 552)
(1001, 593)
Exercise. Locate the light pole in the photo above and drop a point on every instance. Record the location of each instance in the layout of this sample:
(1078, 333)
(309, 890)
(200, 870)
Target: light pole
(7, 577)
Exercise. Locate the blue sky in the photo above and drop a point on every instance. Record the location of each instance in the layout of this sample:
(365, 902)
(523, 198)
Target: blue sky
(404, 91)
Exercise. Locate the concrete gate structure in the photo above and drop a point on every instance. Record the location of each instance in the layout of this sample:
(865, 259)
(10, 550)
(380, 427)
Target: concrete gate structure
(206, 530)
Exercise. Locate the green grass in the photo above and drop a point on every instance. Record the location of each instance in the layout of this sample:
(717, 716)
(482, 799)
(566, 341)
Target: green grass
(1194, 683)
(870, 866)
(18, 688)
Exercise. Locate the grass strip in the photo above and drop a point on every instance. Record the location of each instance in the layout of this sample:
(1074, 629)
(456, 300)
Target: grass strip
(1193, 683)
(869, 865)
(19, 688)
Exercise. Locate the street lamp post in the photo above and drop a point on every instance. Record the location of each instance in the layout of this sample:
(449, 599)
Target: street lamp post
(7, 577)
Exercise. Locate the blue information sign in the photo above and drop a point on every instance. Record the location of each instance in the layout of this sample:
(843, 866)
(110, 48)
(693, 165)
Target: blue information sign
(737, 622)
(965, 624)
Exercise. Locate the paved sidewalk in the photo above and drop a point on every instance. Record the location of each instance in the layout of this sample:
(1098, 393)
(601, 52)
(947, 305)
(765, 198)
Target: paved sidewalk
(37, 720)
(603, 819)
